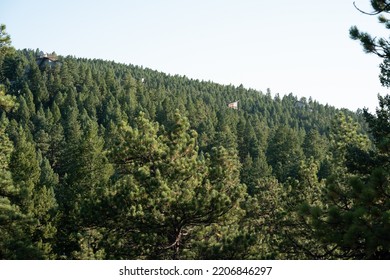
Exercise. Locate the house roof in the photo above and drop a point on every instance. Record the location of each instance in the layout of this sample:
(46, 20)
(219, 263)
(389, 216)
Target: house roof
(43, 56)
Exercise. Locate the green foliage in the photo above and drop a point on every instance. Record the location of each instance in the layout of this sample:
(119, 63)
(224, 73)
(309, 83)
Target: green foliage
(343, 220)
(7, 102)
(377, 46)
(166, 191)
(5, 48)
(10, 215)
(380, 125)
(84, 170)
(34, 199)
(85, 175)
(284, 153)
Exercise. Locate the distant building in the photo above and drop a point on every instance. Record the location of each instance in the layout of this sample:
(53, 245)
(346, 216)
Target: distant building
(44, 59)
(300, 104)
(233, 105)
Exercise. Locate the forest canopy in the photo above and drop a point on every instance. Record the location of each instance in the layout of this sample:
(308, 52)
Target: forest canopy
(102, 160)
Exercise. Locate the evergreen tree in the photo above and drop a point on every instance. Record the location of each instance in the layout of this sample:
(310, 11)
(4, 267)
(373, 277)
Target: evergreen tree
(11, 218)
(7, 102)
(377, 46)
(284, 153)
(167, 191)
(352, 220)
(314, 145)
(84, 169)
(35, 201)
(5, 49)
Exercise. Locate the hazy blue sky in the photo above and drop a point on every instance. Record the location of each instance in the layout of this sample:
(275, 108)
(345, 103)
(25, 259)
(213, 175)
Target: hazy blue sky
(299, 46)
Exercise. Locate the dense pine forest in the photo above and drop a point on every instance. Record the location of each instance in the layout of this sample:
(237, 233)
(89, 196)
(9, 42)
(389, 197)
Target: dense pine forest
(102, 160)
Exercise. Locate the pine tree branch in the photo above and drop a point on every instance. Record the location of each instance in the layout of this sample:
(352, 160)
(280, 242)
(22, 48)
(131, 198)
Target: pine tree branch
(384, 9)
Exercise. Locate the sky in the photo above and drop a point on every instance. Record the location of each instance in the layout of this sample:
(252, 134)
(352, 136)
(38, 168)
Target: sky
(300, 47)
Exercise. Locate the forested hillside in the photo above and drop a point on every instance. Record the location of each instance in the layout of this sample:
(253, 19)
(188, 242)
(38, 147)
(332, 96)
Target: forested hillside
(101, 160)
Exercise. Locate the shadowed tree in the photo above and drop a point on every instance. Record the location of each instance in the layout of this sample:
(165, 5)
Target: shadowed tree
(166, 191)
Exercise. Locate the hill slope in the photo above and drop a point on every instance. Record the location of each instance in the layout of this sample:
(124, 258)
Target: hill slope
(117, 161)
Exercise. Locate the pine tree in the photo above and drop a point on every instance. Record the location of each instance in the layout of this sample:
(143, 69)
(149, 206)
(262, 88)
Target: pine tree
(353, 217)
(314, 145)
(45, 208)
(377, 46)
(5, 49)
(265, 217)
(11, 217)
(7, 102)
(37, 84)
(167, 191)
(35, 201)
(297, 233)
(84, 170)
(284, 153)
